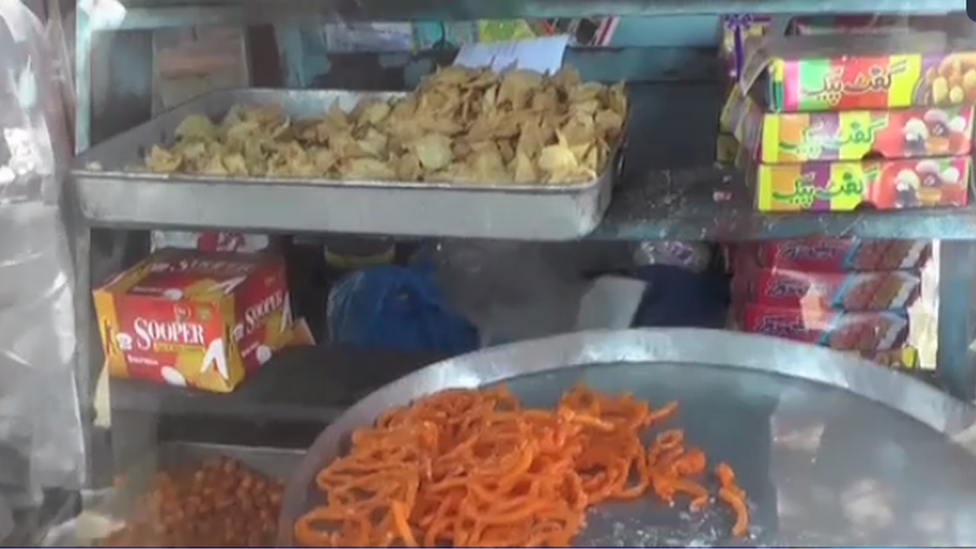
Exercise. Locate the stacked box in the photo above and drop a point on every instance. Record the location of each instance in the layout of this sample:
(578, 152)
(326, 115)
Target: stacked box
(877, 121)
(923, 317)
(846, 294)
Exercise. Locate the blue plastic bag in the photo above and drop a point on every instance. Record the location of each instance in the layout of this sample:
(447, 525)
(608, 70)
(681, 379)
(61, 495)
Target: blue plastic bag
(396, 308)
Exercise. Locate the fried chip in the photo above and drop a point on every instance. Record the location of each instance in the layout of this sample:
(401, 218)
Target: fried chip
(461, 125)
(163, 161)
(196, 126)
(433, 150)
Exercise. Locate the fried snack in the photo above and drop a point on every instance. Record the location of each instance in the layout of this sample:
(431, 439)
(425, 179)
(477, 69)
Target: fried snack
(220, 504)
(461, 125)
(734, 496)
(474, 468)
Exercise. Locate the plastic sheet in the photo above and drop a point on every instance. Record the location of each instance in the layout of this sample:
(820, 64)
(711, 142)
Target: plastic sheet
(399, 309)
(42, 441)
(510, 290)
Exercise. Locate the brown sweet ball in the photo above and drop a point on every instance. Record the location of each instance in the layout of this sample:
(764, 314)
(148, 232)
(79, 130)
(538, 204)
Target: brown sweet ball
(218, 504)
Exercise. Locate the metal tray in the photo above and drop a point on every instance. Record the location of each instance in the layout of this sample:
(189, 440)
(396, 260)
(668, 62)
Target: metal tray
(833, 450)
(112, 193)
(102, 509)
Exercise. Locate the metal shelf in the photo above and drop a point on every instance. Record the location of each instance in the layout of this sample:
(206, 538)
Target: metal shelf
(683, 204)
(160, 13)
(677, 204)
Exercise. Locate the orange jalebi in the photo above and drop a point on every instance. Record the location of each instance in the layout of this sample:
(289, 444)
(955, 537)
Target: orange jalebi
(474, 468)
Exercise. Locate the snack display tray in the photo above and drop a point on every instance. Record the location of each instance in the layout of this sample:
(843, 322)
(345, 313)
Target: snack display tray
(113, 190)
(820, 440)
(100, 508)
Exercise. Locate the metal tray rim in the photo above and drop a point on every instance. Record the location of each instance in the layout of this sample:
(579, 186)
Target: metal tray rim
(95, 177)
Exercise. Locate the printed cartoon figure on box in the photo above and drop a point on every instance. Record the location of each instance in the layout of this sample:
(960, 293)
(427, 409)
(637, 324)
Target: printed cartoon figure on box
(937, 132)
(929, 183)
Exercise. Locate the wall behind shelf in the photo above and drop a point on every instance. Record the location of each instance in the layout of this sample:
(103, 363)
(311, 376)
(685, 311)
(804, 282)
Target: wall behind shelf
(122, 68)
(306, 60)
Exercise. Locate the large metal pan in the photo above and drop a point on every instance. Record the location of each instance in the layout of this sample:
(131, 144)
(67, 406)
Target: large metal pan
(833, 450)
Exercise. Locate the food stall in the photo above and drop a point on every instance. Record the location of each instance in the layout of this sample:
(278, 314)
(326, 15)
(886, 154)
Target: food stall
(216, 371)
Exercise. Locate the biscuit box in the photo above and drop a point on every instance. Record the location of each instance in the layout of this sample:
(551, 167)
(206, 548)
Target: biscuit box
(858, 291)
(195, 319)
(841, 330)
(861, 71)
(839, 186)
(854, 135)
(835, 254)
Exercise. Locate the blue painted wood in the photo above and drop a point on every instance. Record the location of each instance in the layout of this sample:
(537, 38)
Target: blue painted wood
(642, 32)
(163, 13)
(677, 31)
(694, 31)
(347, 70)
(306, 54)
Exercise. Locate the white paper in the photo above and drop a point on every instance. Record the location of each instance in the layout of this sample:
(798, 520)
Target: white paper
(610, 303)
(544, 54)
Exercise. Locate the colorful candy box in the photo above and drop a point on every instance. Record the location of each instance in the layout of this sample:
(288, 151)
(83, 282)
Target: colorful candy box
(835, 254)
(862, 71)
(855, 135)
(846, 186)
